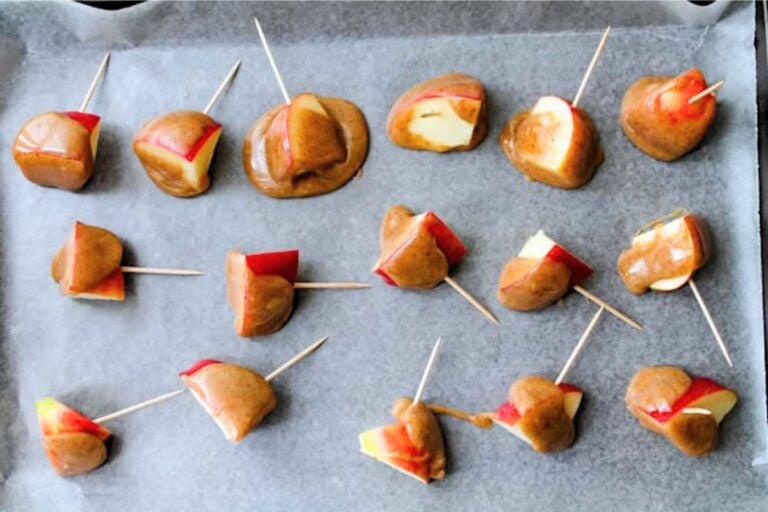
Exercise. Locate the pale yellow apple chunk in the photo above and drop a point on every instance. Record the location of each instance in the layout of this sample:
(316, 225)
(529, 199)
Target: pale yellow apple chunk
(436, 121)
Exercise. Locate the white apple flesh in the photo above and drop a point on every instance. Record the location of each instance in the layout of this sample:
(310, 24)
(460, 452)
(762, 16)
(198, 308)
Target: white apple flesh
(554, 115)
(436, 121)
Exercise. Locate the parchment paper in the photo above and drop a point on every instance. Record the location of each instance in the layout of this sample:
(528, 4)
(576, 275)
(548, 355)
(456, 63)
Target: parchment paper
(99, 357)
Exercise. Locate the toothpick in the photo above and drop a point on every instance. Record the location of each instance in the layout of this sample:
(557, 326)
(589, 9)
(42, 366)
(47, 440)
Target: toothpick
(579, 346)
(343, 286)
(94, 82)
(696, 410)
(272, 61)
(295, 359)
(427, 369)
(464, 293)
(706, 92)
(142, 405)
(162, 271)
(591, 67)
(224, 84)
(612, 310)
(711, 322)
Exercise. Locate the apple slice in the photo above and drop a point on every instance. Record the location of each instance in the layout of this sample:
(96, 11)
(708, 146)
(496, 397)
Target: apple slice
(111, 288)
(262, 301)
(542, 433)
(416, 250)
(237, 398)
(392, 445)
(74, 444)
(554, 117)
(176, 151)
(58, 149)
(665, 253)
(540, 246)
(445, 113)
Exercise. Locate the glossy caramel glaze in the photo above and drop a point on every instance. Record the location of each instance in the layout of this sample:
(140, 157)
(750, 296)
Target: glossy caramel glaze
(528, 284)
(90, 255)
(543, 418)
(424, 431)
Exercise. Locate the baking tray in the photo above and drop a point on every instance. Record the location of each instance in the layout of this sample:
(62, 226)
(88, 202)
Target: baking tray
(99, 357)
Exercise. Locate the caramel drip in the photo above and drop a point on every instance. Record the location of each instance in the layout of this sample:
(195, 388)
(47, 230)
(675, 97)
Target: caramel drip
(480, 420)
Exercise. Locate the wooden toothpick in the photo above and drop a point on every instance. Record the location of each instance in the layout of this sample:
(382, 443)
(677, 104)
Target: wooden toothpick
(95, 82)
(295, 359)
(579, 346)
(612, 310)
(220, 90)
(162, 271)
(710, 321)
(469, 298)
(706, 92)
(271, 59)
(427, 369)
(142, 405)
(591, 67)
(167, 396)
(343, 286)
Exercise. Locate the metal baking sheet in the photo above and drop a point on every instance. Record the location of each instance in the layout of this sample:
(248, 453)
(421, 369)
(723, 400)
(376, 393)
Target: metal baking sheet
(99, 357)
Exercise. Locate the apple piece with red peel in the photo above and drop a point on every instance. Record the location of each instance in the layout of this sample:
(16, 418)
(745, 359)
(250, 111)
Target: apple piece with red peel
(237, 398)
(58, 149)
(74, 444)
(262, 302)
(445, 113)
(657, 117)
(416, 250)
(665, 254)
(541, 413)
(686, 410)
(176, 151)
(539, 275)
(554, 143)
(282, 263)
(89, 264)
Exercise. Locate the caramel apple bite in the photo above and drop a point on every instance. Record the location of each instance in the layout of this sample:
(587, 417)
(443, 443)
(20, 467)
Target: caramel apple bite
(658, 118)
(665, 253)
(260, 290)
(74, 444)
(416, 250)
(541, 413)
(237, 398)
(88, 265)
(445, 113)
(540, 274)
(176, 150)
(311, 146)
(685, 410)
(554, 143)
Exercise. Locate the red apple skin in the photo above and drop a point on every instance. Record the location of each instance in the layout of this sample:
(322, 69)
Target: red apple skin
(270, 177)
(53, 149)
(198, 366)
(667, 133)
(283, 263)
(451, 85)
(183, 133)
(585, 155)
(579, 270)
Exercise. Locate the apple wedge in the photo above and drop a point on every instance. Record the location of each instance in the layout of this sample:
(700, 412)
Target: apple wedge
(416, 250)
(58, 149)
(88, 265)
(176, 151)
(665, 253)
(74, 444)
(237, 398)
(686, 410)
(657, 117)
(554, 143)
(540, 413)
(262, 299)
(445, 113)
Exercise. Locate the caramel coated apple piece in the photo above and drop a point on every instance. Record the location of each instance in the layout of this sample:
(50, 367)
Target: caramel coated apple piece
(416, 250)
(58, 149)
(665, 254)
(554, 143)
(687, 411)
(88, 260)
(445, 113)
(237, 398)
(657, 118)
(261, 298)
(176, 151)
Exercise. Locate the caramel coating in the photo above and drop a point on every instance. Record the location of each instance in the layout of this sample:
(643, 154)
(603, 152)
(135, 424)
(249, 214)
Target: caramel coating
(75, 453)
(90, 255)
(424, 431)
(543, 420)
(528, 284)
